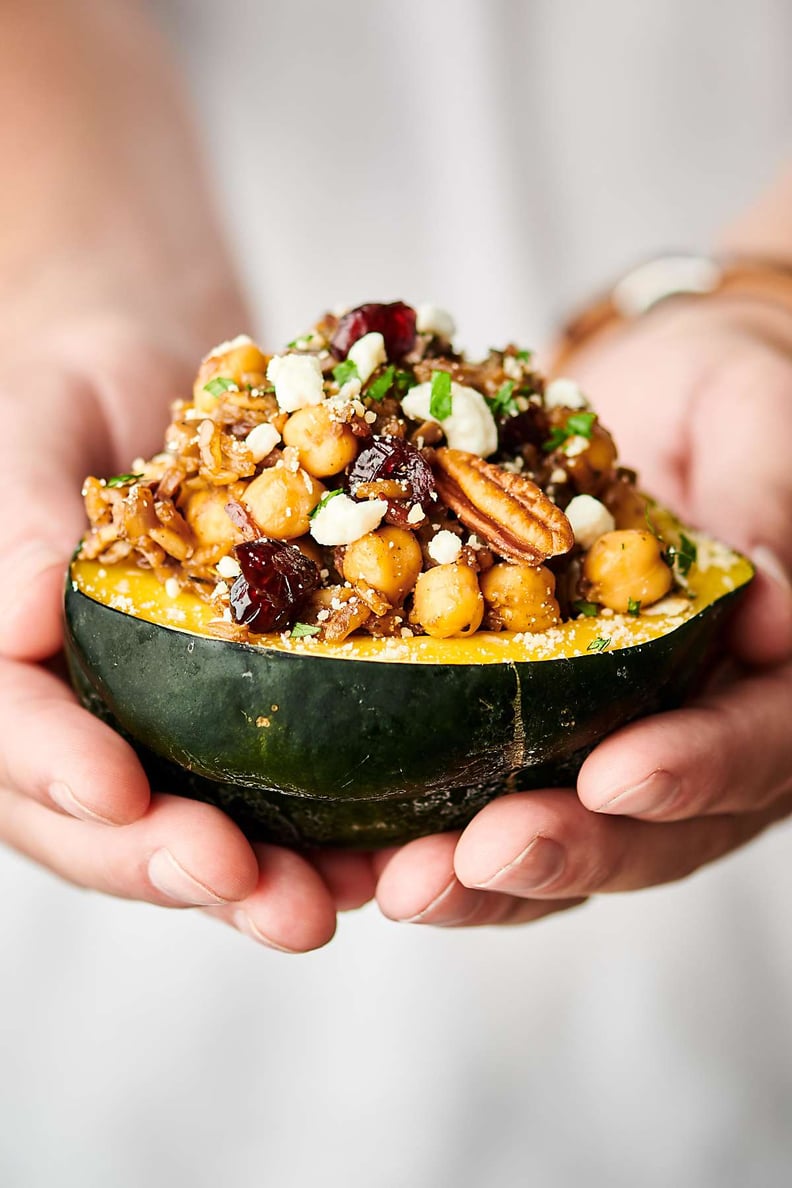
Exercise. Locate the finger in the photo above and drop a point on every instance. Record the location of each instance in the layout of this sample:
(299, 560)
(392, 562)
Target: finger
(181, 854)
(729, 752)
(419, 886)
(290, 908)
(349, 877)
(58, 754)
(761, 631)
(546, 845)
(41, 481)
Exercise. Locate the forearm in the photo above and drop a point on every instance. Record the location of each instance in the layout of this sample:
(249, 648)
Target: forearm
(103, 206)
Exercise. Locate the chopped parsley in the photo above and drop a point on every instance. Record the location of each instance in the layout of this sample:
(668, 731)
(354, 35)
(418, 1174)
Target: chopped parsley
(633, 606)
(301, 630)
(577, 425)
(219, 385)
(345, 371)
(382, 385)
(524, 356)
(682, 555)
(122, 480)
(583, 607)
(323, 502)
(502, 404)
(440, 401)
(599, 644)
(404, 380)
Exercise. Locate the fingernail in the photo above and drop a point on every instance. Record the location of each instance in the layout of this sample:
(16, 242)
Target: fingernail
(170, 877)
(244, 923)
(771, 564)
(62, 795)
(652, 795)
(537, 866)
(435, 903)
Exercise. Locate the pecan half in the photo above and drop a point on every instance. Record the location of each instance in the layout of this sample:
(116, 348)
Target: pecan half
(508, 511)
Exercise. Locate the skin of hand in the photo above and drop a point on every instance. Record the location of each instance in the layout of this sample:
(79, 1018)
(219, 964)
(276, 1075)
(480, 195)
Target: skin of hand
(73, 796)
(699, 397)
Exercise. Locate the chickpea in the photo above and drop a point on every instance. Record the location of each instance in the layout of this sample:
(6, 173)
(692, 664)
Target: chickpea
(520, 598)
(326, 446)
(281, 501)
(389, 560)
(625, 567)
(590, 469)
(244, 363)
(206, 514)
(448, 601)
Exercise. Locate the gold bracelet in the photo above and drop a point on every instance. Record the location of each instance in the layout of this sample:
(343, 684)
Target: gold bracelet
(646, 286)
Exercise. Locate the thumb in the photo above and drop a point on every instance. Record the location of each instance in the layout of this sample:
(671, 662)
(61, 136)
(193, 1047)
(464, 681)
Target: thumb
(37, 538)
(42, 466)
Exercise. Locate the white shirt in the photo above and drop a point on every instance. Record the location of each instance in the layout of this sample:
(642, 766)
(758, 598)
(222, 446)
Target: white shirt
(500, 159)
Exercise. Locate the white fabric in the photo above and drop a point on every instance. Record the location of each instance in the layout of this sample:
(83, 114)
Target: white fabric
(499, 159)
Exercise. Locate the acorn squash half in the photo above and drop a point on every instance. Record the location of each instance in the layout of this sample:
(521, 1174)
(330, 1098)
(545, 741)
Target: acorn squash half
(374, 742)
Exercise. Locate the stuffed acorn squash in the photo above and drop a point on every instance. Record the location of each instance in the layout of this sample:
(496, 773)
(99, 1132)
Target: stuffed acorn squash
(369, 584)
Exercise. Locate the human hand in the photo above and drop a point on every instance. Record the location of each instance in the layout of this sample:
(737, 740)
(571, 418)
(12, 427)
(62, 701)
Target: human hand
(73, 796)
(700, 400)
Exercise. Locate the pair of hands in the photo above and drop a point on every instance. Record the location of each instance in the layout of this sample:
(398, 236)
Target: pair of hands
(699, 398)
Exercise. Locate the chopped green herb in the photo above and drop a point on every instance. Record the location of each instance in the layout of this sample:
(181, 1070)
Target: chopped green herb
(220, 384)
(382, 385)
(583, 607)
(558, 435)
(682, 555)
(342, 372)
(633, 606)
(502, 404)
(301, 630)
(404, 381)
(577, 425)
(123, 480)
(440, 402)
(599, 644)
(650, 524)
(580, 424)
(524, 355)
(323, 502)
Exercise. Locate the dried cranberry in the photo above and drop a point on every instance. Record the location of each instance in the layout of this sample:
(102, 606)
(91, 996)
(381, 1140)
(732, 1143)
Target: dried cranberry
(276, 580)
(395, 322)
(527, 428)
(395, 459)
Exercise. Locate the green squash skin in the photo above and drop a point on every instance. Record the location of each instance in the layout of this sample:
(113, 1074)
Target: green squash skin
(363, 753)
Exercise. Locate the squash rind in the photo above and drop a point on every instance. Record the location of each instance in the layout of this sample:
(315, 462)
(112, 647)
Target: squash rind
(311, 750)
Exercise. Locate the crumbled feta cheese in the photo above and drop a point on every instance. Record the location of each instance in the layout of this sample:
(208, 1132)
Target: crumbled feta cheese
(589, 518)
(559, 475)
(343, 520)
(233, 344)
(350, 390)
(172, 588)
(445, 547)
(564, 393)
(415, 514)
(367, 354)
(228, 567)
(470, 426)
(297, 379)
(575, 446)
(262, 440)
(220, 589)
(512, 367)
(431, 319)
